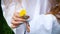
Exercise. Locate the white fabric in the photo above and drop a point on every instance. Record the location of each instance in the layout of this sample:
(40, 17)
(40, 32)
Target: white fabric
(44, 24)
(34, 9)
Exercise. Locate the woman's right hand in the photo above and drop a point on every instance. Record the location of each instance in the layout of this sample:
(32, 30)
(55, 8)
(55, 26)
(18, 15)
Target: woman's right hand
(17, 20)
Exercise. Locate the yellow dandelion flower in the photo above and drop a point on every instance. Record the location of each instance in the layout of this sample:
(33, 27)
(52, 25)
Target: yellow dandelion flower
(22, 12)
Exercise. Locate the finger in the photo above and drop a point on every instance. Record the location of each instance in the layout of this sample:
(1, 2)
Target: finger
(28, 28)
(17, 15)
(15, 22)
(18, 19)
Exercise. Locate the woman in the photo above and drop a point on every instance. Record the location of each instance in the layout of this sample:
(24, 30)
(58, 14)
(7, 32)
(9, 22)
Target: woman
(31, 5)
(44, 24)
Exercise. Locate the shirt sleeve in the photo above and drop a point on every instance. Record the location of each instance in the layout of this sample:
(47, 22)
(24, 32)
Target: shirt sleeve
(56, 26)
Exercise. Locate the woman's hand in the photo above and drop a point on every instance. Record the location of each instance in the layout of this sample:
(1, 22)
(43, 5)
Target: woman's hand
(17, 20)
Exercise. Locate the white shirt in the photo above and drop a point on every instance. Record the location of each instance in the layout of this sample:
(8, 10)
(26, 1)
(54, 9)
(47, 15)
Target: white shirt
(44, 24)
(35, 8)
